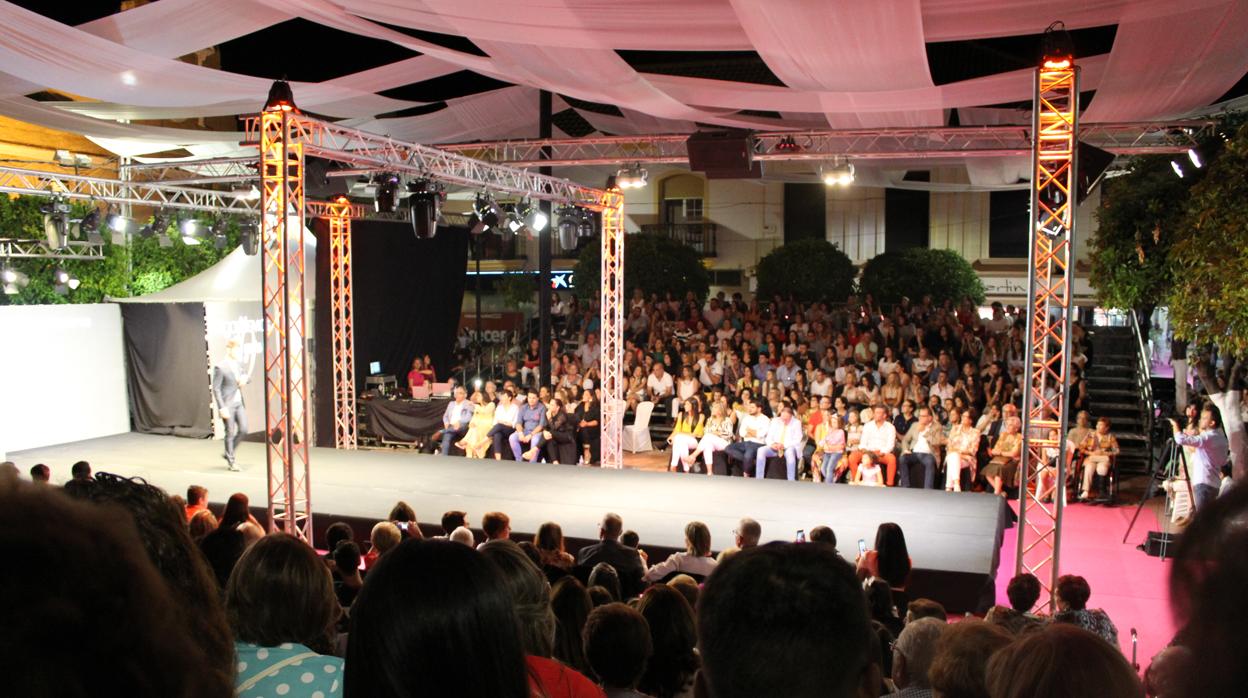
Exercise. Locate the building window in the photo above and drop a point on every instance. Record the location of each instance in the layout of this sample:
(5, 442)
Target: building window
(682, 210)
(1007, 223)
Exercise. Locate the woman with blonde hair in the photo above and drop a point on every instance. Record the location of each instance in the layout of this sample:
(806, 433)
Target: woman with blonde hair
(1005, 454)
(477, 440)
(717, 434)
(960, 450)
(829, 446)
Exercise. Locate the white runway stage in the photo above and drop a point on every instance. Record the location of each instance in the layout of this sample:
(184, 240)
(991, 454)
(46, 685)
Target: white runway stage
(953, 539)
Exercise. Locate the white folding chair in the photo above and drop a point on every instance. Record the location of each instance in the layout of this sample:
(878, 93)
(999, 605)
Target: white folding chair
(636, 436)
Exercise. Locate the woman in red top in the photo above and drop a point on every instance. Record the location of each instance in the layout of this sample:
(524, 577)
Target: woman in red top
(416, 376)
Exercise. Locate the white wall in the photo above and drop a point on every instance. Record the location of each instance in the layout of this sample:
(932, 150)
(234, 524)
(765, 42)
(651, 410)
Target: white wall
(62, 375)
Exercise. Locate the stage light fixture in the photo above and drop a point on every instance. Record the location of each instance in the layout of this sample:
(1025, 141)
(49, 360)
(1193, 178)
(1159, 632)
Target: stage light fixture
(119, 223)
(56, 223)
(1178, 169)
(488, 214)
(512, 220)
(385, 192)
(63, 282)
(1195, 158)
(839, 175)
(249, 235)
(788, 145)
(424, 203)
(217, 232)
(90, 227)
(13, 280)
(1057, 47)
(281, 98)
(190, 230)
(632, 177)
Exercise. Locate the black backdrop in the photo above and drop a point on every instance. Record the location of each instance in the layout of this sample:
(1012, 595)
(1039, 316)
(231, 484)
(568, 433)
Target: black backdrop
(407, 298)
(166, 362)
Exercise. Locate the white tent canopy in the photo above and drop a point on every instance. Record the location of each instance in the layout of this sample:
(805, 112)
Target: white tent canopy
(236, 278)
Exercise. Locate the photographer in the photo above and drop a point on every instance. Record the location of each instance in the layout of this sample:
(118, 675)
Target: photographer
(1210, 454)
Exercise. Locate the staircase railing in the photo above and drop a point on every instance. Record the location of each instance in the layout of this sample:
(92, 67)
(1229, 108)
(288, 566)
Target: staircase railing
(1143, 376)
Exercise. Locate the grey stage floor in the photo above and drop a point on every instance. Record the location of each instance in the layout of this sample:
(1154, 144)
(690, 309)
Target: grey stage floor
(944, 531)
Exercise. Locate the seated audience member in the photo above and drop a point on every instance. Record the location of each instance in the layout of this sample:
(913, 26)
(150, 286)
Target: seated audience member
(889, 559)
(925, 608)
(868, 473)
(717, 435)
(604, 576)
(747, 535)
(881, 607)
(496, 526)
(688, 587)
(784, 438)
(1099, 447)
(822, 534)
(435, 618)
(549, 543)
(1089, 667)
(879, 437)
(526, 439)
(673, 635)
(1072, 607)
(202, 524)
(282, 608)
(463, 536)
(81, 471)
(505, 418)
(771, 617)
(87, 586)
(624, 559)
(687, 432)
(752, 430)
(587, 416)
(476, 441)
(347, 561)
(222, 548)
(530, 596)
(336, 533)
(961, 449)
(196, 501)
(560, 434)
(40, 474)
(601, 596)
(384, 537)
(452, 520)
(1023, 592)
(403, 516)
(9, 471)
(912, 657)
(618, 646)
(1005, 453)
(694, 560)
(920, 447)
(455, 420)
(237, 512)
(962, 655)
(630, 538)
(571, 605)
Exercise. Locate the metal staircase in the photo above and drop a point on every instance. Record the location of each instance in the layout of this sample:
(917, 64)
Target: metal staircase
(1119, 388)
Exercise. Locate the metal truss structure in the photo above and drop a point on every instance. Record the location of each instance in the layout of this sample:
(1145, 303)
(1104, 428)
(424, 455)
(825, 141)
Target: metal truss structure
(611, 314)
(285, 346)
(343, 324)
(187, 172)
(15, 180)
(1049, 290)
(863, 144)
(11, 248)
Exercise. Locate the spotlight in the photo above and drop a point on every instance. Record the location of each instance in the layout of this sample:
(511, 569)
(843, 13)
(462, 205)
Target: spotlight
(574, 223)
(1178, 169)
(424, 206)
(512, 220)
(1195, 158)
(280, 98)
(190, 231)
(586, 226)
(386, 192)
(788, 145)
(217, 231)
(119, 223)
(531, 217)
(12, 280)
(839, 175)
(633, 177)
(249, 234)
(158, 227)
(487, 212)
(1057, 47)
(56, 223)
(90, 226)
(63, 282)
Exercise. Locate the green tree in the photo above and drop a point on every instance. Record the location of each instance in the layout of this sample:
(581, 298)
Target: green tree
(1208, 297)
(809, 270)
(653, 263)
(919, 271)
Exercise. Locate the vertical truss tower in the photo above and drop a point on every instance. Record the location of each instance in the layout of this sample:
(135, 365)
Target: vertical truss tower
(343, 327)
(611, 424)
(285, 358)
(1053, 196)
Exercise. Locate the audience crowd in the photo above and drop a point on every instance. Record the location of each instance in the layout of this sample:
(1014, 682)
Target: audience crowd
(158, 602)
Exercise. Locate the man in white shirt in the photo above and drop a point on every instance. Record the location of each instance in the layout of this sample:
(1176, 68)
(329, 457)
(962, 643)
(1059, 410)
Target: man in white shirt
(821, 386)
(659, 383)
(920, 446)
(589, 351)
(942, 389)
(784, 438)
(922, 364)
(753, 432)
(1210, 454)
(879, 436)
(710, 371)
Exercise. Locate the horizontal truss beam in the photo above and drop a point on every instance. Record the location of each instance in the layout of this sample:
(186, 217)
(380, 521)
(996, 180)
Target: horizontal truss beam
(11, 248)
(862, 144)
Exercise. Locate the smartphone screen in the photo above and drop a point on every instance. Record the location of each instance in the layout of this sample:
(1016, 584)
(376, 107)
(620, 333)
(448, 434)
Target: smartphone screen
(801, 535)
(862, 546)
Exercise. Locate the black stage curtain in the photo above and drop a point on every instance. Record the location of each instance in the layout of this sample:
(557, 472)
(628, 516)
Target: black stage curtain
(407, 298)
(167, 368)
(405, 420)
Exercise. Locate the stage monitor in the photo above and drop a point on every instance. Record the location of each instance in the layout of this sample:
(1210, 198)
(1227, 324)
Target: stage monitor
(1092, 165)
(723, 155)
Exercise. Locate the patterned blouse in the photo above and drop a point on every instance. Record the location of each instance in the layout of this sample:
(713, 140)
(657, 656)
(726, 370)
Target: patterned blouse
(289, 669)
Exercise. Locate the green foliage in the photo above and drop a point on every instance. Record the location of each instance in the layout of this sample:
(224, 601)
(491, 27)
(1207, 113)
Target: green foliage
(1208, 297)
(143, 267)
(809, 270)
(516, 288)
(653, 263)
(920, 271)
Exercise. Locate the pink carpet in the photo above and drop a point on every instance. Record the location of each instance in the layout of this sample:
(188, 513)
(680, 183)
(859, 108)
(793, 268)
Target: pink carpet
(1132, 587)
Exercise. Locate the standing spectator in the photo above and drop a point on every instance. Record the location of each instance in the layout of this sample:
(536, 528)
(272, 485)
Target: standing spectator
(196, 501)
(673, 635)
(283, 611)
(1210, 452)
(1073, 592)
(694, 560)
(962, 656)
(618, 647)
(912, 657)
(770, 619)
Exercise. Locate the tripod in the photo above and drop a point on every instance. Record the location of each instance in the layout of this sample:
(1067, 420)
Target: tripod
(1166, 467)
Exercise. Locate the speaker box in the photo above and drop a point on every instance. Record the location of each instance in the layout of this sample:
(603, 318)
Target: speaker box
(723, 155)
(1158, 542)
(1092, 165)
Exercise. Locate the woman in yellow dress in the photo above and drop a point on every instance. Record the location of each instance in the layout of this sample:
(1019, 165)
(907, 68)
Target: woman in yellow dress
(477, 441)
